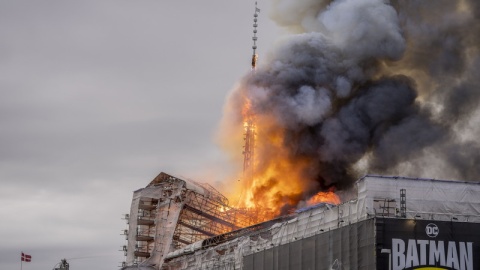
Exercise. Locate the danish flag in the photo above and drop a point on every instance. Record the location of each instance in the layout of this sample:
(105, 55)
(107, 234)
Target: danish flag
(26, 257)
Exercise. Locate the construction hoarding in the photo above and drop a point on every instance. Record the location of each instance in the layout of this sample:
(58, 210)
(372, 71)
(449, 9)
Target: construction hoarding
(405, 244)
(348, 247)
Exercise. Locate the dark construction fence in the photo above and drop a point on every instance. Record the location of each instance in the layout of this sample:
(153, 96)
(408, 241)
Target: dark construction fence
(349, 247)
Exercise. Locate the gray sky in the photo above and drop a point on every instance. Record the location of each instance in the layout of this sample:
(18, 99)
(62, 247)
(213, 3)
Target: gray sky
(97, 98)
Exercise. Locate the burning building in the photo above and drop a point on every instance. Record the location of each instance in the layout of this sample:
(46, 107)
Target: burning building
(383, 223)
(361, 86)
(170, 213)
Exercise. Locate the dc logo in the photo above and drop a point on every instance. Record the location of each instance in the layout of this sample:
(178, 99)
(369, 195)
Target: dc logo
(432, 230)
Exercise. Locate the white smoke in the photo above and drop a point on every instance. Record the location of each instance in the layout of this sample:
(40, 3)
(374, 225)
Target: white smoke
(363, 28)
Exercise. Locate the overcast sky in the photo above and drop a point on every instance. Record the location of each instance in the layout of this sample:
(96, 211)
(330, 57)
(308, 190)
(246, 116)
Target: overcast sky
(97, 98)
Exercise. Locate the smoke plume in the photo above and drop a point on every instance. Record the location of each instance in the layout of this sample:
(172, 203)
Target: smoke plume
(362, 86)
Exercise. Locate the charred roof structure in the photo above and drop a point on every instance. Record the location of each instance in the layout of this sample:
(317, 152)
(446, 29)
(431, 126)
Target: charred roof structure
(384, 223)
(170, 213)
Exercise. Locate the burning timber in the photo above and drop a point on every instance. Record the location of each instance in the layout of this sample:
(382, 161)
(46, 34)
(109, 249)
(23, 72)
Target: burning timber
(171, 213)
(384, 223)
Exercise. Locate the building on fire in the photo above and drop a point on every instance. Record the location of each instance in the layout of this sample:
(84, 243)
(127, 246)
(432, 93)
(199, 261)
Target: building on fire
(384, 223)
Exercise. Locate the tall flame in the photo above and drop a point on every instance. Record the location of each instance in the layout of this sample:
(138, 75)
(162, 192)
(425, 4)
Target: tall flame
(276, 185)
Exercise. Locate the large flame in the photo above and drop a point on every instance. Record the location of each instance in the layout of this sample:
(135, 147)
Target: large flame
(276, 184)
(324, 197)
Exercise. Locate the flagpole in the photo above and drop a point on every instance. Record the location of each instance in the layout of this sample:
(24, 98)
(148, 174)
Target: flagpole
(21, 262)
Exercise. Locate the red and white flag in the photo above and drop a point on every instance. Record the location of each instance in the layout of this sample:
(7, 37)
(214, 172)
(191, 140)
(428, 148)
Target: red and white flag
(26, 257)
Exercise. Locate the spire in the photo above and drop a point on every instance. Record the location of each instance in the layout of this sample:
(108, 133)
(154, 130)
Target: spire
(254, 38)
(249, 127)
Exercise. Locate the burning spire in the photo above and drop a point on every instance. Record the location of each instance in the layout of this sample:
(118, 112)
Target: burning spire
(249, 122)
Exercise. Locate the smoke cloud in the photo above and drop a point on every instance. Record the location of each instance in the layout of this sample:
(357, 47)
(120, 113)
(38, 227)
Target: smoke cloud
(363, 86)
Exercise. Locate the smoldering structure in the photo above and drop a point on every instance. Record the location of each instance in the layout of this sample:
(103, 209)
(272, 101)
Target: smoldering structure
(170, 213)
(385, 223)
(389, 223)
(363, 86)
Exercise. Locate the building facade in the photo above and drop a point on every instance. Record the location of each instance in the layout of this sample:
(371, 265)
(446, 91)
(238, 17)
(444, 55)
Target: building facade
(383, 223)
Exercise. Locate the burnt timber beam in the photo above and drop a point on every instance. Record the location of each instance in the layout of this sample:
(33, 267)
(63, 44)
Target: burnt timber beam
(209, 234)
(211, 217)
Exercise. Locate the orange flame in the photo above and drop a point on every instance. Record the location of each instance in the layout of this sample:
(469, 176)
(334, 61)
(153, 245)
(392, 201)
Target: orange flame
(324, 197)
(278, 183)
(246, 108)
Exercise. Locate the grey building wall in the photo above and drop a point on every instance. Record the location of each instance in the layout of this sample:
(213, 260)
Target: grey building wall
(349, 247)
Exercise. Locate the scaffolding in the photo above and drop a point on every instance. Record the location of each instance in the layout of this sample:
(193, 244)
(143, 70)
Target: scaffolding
(171, 213)
(123, 249)
(352, 234)
(145, 232)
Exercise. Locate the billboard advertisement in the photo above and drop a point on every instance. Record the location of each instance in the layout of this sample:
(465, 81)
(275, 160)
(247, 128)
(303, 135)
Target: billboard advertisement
(427, 245)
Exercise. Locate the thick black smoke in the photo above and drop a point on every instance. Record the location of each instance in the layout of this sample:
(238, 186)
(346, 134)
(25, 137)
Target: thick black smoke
(373, 86)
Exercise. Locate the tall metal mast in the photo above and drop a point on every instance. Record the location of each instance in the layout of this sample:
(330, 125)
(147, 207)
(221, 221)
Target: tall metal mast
(249, 124)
